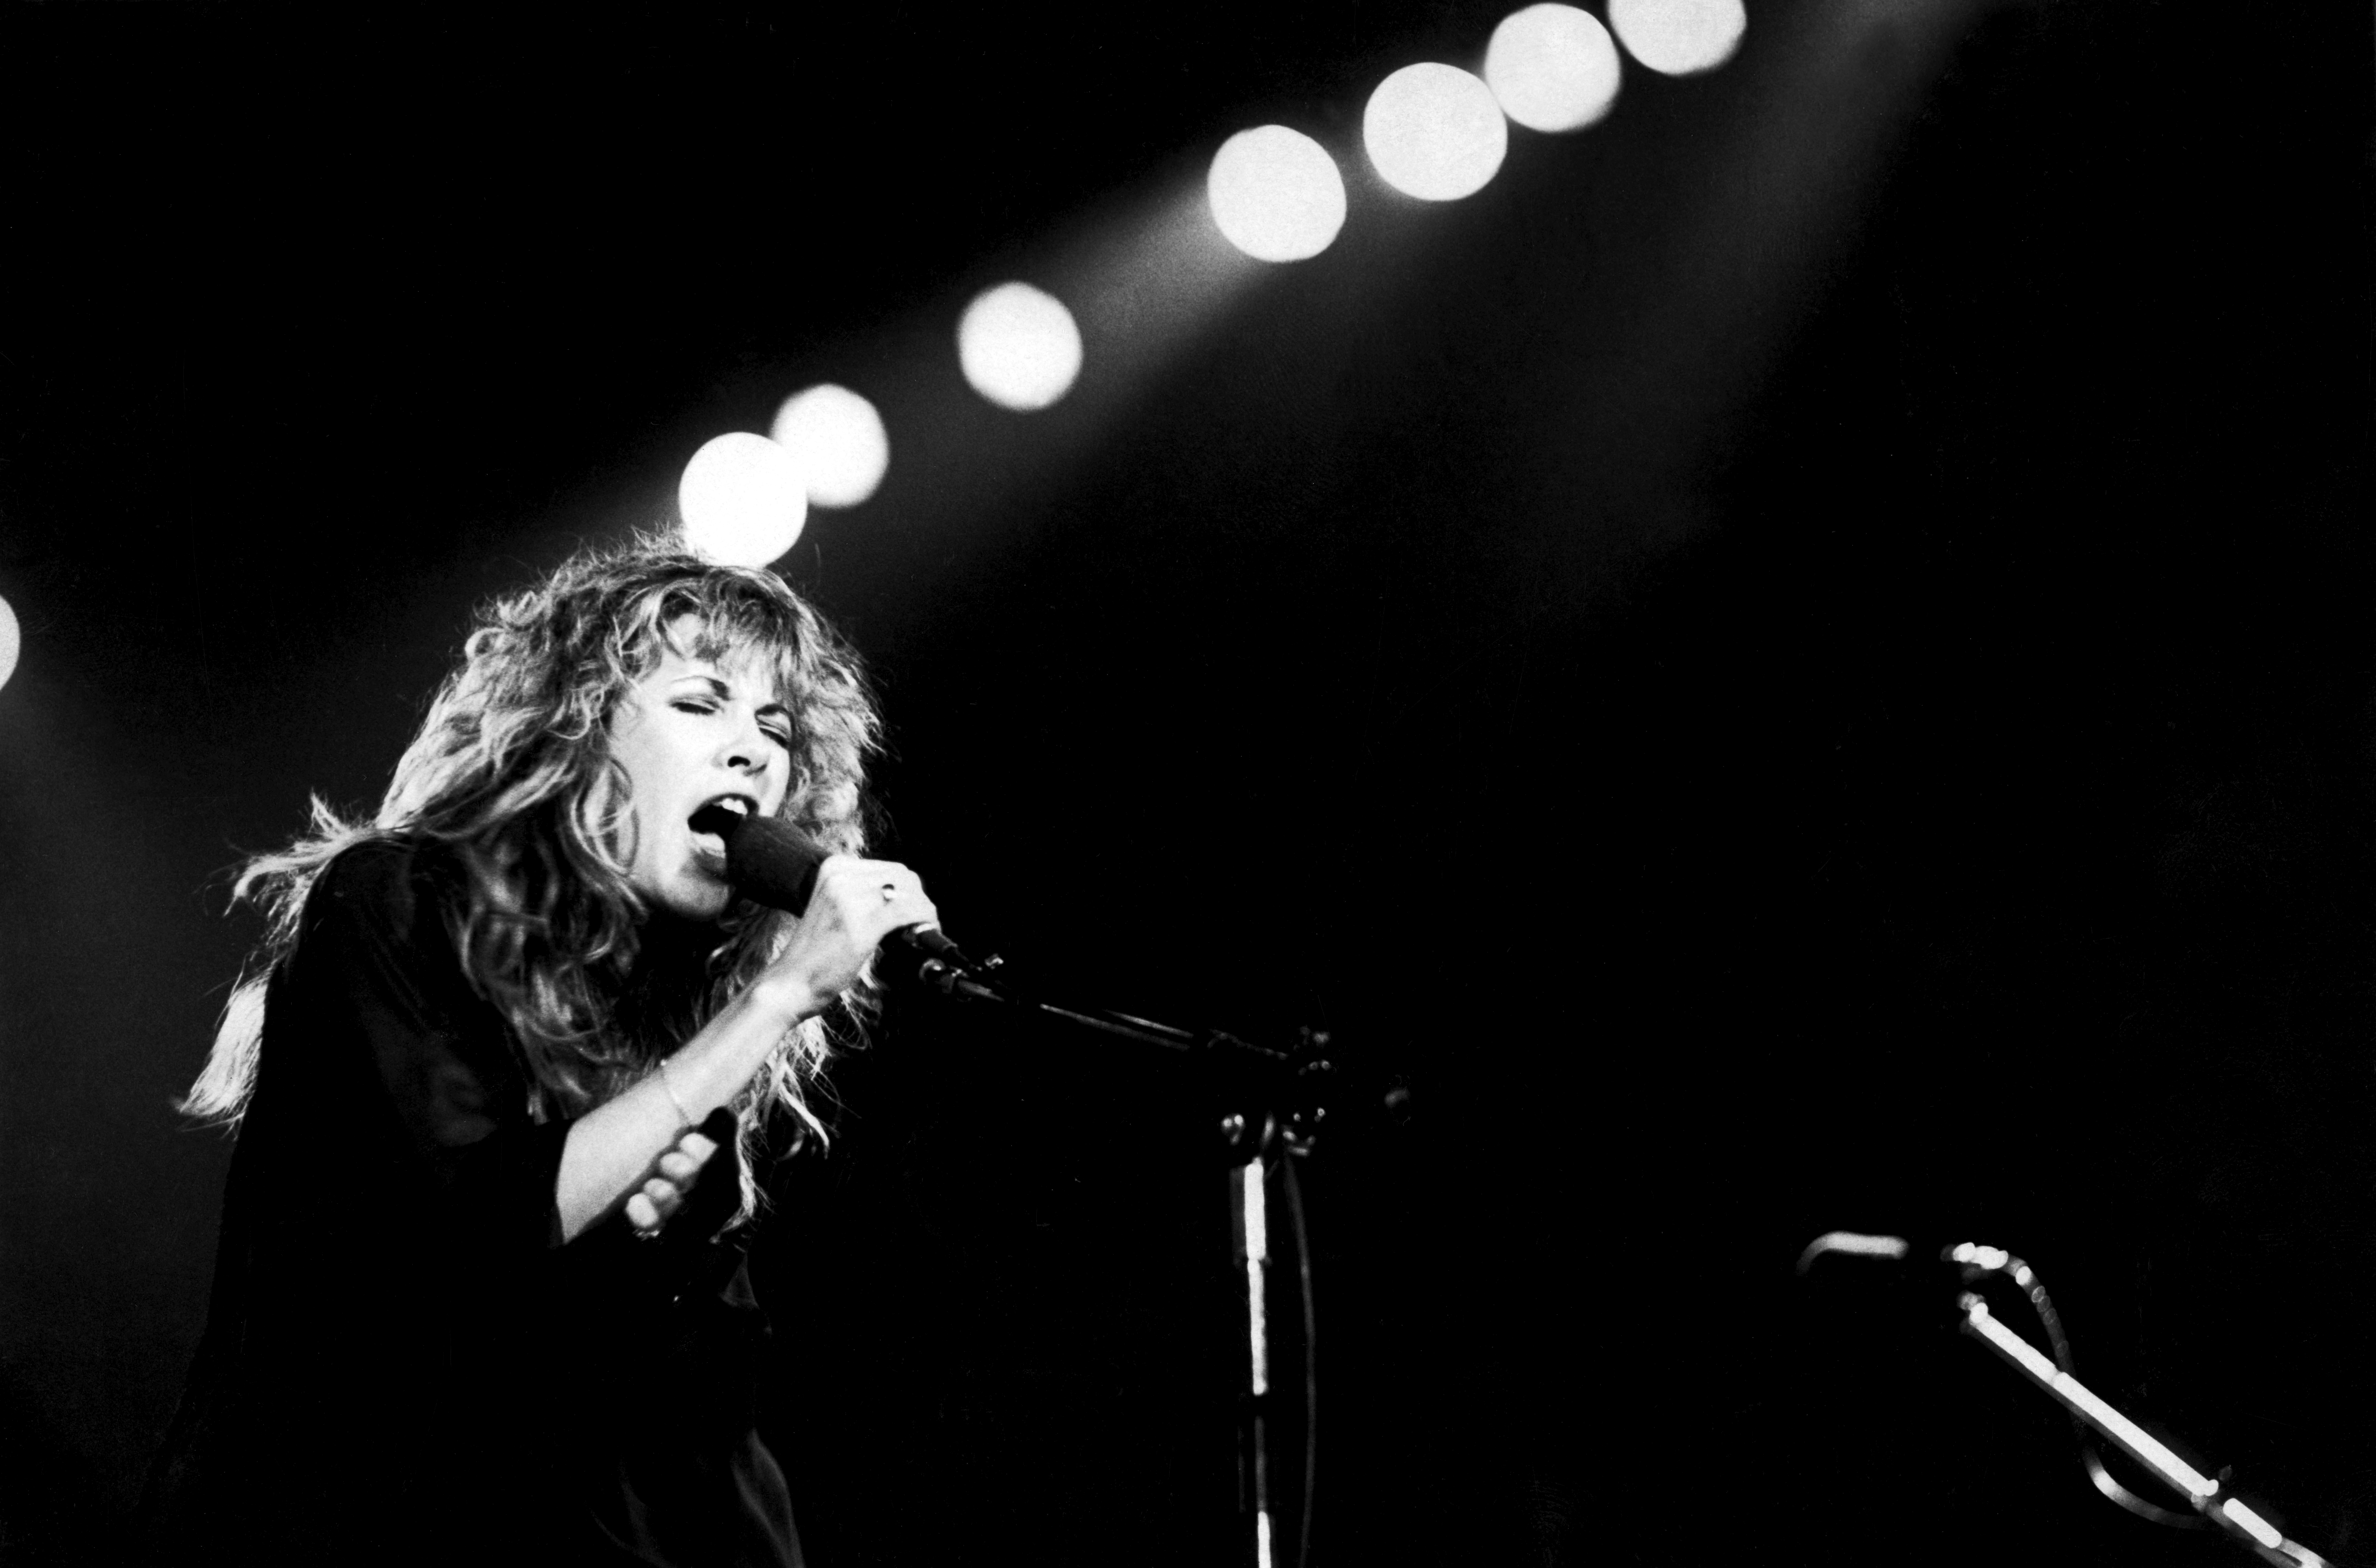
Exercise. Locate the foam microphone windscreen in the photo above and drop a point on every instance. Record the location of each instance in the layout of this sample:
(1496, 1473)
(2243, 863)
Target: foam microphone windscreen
(768, 861)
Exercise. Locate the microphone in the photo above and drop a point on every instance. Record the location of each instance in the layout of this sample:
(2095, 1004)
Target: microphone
(772, 862)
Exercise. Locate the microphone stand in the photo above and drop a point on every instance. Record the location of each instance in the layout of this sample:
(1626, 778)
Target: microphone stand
(2231, 1515)
(2237, 1520)
(1281, 1093)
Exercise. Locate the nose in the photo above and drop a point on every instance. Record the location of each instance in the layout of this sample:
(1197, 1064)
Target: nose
(748, 749)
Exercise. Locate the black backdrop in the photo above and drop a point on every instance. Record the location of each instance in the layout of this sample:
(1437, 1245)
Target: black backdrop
(1797, 661)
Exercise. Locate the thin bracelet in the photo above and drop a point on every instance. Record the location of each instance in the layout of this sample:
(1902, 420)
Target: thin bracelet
(685, 1118)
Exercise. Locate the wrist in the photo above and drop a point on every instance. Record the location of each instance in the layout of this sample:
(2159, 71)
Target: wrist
(786, 999)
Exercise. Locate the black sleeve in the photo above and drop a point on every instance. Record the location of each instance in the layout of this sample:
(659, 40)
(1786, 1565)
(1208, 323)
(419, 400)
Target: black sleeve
(473, 1170)
(401, 1359)
(380, 993)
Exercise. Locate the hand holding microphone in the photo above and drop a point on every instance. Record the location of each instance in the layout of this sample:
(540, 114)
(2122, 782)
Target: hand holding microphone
(847, 906)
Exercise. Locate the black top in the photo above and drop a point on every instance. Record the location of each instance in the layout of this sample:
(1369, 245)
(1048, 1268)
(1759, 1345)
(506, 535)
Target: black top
(402, 1361)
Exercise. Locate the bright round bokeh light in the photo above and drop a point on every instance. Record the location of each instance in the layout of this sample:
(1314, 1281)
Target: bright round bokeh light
(1553, 67)
(1678, 36)
(1018, 346)
(8, 642)
(1434, 132)
(838, 439)
(744, 499)
(1276, 193)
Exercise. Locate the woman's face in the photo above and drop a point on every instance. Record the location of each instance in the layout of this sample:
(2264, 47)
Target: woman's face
(692, 731)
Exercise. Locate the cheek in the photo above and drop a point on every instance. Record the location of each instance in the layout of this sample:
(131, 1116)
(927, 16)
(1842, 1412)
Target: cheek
(650, 829)
(638, 777)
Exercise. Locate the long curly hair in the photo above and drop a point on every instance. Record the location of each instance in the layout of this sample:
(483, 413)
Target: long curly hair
(512, 771)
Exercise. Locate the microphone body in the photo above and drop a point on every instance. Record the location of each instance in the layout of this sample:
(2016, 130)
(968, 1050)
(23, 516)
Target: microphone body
(769, 862)
(772, 862)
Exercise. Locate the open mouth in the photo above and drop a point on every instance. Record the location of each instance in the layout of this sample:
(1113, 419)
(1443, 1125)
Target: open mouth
(715, 819)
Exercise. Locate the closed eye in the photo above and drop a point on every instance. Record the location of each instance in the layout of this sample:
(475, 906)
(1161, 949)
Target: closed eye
(703, 706)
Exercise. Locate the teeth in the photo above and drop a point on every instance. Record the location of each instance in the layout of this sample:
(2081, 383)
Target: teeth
(739, 805)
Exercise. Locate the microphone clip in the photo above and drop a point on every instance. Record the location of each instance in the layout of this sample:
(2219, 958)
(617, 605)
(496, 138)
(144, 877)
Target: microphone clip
(949, 971)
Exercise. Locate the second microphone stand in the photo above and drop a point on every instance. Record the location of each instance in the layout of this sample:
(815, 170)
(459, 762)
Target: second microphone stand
(1276, 1100)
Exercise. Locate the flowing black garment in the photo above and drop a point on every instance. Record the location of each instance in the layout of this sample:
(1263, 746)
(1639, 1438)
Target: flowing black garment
(402, 1361)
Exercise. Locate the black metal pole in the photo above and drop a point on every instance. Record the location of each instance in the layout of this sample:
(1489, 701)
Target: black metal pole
(2241, 1523)
(1280, 1113)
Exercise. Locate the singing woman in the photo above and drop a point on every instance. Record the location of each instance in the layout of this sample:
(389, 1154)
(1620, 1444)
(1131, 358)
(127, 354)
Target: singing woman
(500, 1071)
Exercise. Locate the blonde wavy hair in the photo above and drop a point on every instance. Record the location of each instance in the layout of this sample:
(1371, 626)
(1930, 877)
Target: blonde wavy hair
(512, 772)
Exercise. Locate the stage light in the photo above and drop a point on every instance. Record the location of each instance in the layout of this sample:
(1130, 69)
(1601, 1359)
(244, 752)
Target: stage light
(1553, 67)
(744, 499)
(1434, 132)
(838, 439)
(1678, 36)
(1276, 193)
(1018, 346)
(8, 642)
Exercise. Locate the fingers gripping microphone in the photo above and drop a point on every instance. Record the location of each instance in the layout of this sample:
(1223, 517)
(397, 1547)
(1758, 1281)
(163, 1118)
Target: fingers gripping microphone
(772, 862)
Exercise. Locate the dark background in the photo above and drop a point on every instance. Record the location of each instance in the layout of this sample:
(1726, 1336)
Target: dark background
(1801, 661)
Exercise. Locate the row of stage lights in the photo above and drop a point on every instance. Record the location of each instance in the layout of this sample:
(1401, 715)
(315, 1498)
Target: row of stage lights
(1432, 131)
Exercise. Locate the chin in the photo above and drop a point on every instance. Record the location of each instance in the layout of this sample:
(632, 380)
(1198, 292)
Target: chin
(688, 891)
(695, 900)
